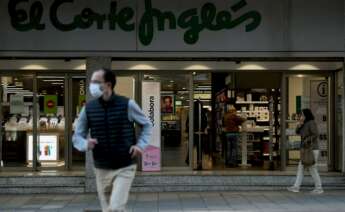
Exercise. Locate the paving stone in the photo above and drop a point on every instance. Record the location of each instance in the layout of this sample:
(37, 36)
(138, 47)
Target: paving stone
(277, 201)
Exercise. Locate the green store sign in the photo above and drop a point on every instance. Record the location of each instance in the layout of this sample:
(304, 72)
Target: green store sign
(193, 21)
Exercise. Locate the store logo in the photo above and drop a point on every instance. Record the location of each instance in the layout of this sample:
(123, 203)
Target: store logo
(152, 110)
(50, 104)
(81, 87)
(193, 21)
(322, 89)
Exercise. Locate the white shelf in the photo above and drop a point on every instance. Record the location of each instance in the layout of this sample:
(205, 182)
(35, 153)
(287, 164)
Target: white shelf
(8, 104)
(252, 102)
(255, 111)
(257, 129)
(291, 121)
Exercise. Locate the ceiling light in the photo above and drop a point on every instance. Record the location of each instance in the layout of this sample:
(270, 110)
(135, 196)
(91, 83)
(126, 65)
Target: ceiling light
(142, 67)
(53, 80)
(197, 67)
(251, 67)
(80, 67)
(33, 67)
(304, 67)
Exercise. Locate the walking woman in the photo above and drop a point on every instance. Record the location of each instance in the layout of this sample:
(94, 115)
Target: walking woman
(308, 131)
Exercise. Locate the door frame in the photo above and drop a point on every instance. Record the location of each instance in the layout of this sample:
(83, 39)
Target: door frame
(139, 78)
(190, 89)
(36, 131)
(68, 77)
(69, 117)
(330, 78)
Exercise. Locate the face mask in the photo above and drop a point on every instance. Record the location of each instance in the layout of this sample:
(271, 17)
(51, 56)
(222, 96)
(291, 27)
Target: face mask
(95, 90)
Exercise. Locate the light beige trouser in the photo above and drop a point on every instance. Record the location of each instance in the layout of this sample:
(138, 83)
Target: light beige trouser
(313, 171)
(113, 187)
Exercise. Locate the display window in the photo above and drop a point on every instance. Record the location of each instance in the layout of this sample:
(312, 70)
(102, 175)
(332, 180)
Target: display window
(172, 136)
(237, 121)
(245, 131)
(203, 120)
(38, 115)
(16, 120)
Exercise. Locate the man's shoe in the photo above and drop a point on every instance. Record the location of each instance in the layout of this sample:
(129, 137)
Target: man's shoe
(317, 191)
(293, 189)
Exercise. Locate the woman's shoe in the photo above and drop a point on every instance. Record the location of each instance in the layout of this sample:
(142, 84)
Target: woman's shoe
(317, 191)
(293, 189)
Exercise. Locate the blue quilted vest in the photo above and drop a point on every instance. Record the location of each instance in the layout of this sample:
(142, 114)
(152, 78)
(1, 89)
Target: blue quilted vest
(109, 124)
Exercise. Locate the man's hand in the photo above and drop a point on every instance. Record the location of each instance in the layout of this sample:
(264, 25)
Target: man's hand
(91, 143)
(135, 151)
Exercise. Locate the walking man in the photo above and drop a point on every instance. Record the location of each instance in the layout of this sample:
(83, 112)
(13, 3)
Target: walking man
(109, 120)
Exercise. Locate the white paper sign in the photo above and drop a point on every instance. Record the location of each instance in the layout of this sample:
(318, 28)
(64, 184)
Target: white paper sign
(151, 107)
(17, 104)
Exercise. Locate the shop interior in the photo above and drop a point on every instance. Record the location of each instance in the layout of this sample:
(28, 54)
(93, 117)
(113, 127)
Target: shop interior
(256, 96)
(308, 91)
(174, 118)
(257, 102)
(17, 105)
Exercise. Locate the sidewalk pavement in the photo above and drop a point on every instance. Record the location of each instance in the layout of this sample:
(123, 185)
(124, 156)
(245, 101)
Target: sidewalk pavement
(211, 201)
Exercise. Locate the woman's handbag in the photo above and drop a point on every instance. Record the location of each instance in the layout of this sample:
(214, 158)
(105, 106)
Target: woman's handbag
(307, 155)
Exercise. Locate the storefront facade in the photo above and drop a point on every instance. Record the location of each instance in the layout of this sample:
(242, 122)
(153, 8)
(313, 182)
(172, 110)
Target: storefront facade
(268, 59)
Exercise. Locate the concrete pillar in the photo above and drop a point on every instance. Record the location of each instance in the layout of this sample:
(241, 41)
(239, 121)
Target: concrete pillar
(343, 107)
(92, 64)
(343, 111)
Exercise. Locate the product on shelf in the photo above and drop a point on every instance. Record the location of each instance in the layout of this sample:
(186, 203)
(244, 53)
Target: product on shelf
(61, 124)
(53, 122)
(261, 130)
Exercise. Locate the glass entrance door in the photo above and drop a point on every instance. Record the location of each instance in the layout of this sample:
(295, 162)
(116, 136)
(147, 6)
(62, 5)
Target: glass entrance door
(311, 92)
(174, 99)
(51, 109)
